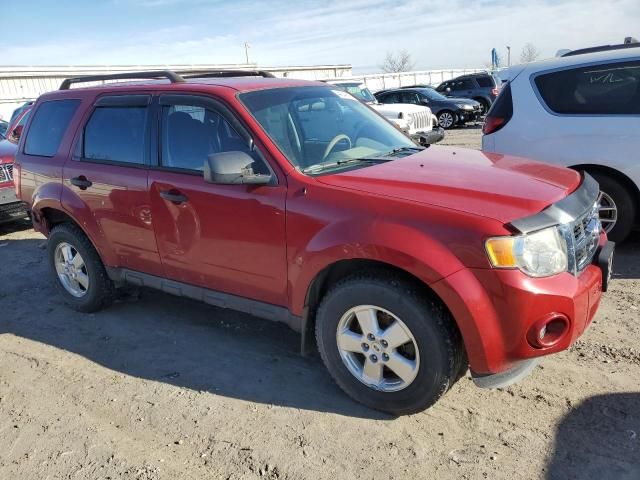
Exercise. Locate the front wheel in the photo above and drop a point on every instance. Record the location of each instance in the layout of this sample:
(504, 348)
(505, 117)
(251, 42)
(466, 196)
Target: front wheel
(386, 346)
(446, 119)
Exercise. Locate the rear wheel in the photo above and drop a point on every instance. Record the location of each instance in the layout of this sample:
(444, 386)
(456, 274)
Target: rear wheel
(484, 105)
(387, 346)
(446, 119)
(617, 208)
(79, 273)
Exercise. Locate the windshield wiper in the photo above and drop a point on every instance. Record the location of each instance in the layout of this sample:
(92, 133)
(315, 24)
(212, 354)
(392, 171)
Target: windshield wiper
(319, 167)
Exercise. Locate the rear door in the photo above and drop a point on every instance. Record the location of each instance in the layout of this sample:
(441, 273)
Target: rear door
(228, 238)
(105, 180)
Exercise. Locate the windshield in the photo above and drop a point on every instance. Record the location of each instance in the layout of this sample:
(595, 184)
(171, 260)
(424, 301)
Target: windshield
(431, 94)
(357, 90)
(316, 126)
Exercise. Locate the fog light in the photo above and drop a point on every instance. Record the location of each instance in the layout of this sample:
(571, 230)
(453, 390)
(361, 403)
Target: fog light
(548, 331)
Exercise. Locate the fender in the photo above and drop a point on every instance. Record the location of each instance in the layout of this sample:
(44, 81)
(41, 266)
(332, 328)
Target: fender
(73, 205)
(417, 253)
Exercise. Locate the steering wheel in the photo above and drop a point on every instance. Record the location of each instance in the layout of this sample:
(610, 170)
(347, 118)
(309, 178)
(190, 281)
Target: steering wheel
(334, 142)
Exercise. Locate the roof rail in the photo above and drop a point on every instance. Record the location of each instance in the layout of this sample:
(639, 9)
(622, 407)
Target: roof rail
(228, 73)
(172, 76)
(601, 48)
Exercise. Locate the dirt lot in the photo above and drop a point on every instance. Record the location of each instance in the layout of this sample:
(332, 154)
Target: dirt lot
(158, 387)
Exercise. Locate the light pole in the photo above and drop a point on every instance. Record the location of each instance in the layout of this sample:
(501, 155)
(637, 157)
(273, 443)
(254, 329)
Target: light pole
(246, 51)
(508, 56)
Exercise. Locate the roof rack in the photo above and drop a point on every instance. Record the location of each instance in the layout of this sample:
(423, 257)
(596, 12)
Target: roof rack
(603, 48)
(172, 76)
(228, 73)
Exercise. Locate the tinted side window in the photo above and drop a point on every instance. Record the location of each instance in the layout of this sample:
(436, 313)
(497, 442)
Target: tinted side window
(612, 89)
(49, 123)
(485, 82)
(466, 84)
(191, 133)
(410, 97)
(391, 98)
(116, 134)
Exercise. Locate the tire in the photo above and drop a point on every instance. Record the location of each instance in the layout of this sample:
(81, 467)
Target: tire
(484, 105)
(624, 203)
(439, 347)
(100, 291)
(446, 119)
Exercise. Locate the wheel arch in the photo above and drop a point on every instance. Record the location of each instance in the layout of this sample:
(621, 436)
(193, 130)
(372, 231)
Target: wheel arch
(340, 269)
(46, 217)
(615, 174)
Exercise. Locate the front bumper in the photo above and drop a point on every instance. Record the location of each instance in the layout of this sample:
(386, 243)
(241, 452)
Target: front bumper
(496, 311)
(427, 138)
(466, 116)
(10, 207)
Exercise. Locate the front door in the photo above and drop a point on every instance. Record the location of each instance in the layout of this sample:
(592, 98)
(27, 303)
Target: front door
(229, 238)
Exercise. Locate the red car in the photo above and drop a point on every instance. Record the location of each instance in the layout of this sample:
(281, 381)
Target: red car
(293, 201)
(10, 207)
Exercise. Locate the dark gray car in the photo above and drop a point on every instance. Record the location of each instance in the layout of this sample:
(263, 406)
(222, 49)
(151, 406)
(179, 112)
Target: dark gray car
(449, 111)
(481, 87)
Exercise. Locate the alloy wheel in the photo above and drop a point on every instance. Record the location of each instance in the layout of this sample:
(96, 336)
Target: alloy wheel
(378, 348)
(608, 211)
(71, 269)
(445, 119)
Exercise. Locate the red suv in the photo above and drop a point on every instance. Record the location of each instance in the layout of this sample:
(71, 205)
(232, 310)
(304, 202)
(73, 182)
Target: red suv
(292, 201)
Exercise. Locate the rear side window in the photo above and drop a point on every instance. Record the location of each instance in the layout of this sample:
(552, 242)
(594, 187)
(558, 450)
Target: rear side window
(50, 121)
(612, 89)
(116, 134)
(485, 82)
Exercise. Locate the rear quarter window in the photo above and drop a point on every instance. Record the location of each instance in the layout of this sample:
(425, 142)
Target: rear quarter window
(49, 123)
(611, 89)
(485, 82)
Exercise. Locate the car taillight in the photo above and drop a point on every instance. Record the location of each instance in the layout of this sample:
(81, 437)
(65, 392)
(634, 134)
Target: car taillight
(500, 112)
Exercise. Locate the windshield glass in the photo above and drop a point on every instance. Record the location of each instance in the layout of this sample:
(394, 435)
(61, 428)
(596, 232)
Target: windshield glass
(313, 126)
(357, 90)
(431, 94)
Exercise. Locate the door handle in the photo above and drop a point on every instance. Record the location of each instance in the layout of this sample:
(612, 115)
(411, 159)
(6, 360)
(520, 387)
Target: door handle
(174, 196)
(81, 182)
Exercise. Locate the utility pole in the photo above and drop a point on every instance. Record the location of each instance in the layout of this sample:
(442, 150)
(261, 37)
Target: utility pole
(246, 51)
(508, 56)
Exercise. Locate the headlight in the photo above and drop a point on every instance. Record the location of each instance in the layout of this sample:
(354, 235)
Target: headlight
(539, 254)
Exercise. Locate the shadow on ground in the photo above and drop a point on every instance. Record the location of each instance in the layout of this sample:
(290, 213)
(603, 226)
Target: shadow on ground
(159, 337)
(599, 439)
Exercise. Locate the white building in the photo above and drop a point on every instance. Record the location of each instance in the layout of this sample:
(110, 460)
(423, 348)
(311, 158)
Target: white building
(21, 84)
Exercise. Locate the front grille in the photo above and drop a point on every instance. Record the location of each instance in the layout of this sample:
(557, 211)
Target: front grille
(421, 120)
(582, 236)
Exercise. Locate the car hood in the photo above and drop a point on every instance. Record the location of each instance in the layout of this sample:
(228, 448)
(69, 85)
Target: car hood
(395, 108)
(504, 188)
(7, 151)
(463, 101)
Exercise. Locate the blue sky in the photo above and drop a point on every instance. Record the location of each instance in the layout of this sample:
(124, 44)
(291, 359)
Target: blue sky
(438, 34)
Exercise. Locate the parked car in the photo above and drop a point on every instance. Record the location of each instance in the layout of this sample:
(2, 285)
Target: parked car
(482, 87)
(293, 201)
(449, 111)
(10, 207)
(580, 111)
(417, 121)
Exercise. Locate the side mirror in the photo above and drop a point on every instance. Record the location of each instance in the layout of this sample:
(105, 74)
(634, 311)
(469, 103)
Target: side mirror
(232, 168)
(17, 133)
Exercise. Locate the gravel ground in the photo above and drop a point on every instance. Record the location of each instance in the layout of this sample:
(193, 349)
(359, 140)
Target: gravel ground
(158, 387)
